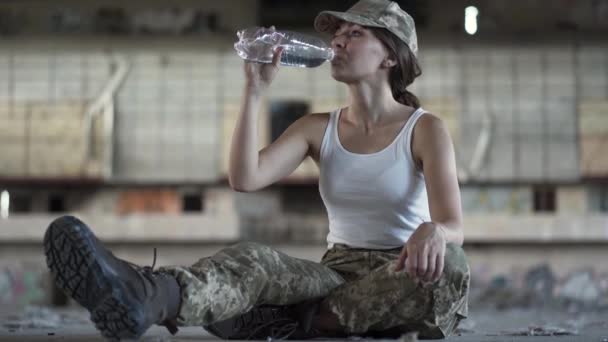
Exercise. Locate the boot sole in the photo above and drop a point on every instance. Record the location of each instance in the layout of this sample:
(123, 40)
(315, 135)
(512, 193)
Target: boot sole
(70, 255)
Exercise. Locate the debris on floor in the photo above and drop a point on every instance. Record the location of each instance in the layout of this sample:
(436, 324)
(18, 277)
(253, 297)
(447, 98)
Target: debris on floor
(540, 287)
(540, 284)
(36, 317)
(580, 287)
(542, 331)
(409, 337)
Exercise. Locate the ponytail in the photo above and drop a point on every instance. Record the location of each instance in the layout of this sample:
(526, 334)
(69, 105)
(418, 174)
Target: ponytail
(405, 72)
(407, 98)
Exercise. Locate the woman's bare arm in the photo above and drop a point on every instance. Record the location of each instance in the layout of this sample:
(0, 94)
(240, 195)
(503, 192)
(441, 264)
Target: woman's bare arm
(423, 254)
(434, 148)
(250, 170)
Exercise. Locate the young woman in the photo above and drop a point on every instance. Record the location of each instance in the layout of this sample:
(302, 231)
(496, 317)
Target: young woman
(394, 262)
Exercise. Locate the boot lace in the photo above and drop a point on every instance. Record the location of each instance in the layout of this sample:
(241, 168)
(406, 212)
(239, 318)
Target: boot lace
(149, 273)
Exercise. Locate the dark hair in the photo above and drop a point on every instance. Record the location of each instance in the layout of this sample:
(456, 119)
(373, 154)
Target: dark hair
(405, 72)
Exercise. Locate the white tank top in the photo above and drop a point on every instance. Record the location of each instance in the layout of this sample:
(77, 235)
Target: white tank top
(375, 200)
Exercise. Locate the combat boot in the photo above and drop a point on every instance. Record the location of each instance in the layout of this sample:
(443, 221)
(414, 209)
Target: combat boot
(123, 299)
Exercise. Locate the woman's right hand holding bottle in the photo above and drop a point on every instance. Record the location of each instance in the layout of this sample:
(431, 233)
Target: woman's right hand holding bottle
(259, 76)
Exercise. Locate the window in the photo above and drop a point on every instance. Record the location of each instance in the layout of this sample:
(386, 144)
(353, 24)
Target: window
(603, 199)
(56, 203)
(192, 202)
(544, 199)
(283, 114)
(302, 199)
(21, 203)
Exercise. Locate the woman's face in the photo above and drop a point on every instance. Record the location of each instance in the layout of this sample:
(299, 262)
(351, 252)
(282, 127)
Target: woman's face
(358, 53)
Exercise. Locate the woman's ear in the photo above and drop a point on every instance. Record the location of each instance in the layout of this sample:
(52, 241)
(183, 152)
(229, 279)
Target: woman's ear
(389, 62)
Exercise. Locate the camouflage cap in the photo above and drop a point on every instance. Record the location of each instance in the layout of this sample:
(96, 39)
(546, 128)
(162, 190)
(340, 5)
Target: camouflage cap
(373, 13)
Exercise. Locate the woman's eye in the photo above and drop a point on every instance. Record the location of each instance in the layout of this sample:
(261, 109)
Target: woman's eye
(355, 33)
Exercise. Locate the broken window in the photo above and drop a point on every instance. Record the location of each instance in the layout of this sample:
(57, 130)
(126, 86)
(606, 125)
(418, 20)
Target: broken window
(544, 199)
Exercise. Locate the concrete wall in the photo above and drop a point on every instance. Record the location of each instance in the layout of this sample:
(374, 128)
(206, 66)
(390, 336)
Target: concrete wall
(176, 110)
(38, 14)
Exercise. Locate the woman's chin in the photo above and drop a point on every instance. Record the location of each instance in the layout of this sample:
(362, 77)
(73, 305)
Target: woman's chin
(339, 75)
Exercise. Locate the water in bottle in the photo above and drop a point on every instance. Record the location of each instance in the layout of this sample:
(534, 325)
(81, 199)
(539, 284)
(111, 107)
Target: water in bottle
(257, 44)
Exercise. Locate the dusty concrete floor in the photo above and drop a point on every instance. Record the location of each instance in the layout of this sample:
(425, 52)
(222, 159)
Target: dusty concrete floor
(483, 325)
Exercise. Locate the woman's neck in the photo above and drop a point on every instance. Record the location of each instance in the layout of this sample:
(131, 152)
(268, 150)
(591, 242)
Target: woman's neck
(371, 106)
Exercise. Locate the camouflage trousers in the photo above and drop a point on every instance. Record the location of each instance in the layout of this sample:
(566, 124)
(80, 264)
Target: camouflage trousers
(358, 285)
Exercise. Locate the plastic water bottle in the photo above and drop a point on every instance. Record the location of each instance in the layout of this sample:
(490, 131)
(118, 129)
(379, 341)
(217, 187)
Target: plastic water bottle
(257, 44)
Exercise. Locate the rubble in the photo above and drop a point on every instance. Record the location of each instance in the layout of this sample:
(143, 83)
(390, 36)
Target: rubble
(580, 290)
(542, 331)
(539, 282)
(33, 318)
(580, 287)
(409, 337)
(36, 317)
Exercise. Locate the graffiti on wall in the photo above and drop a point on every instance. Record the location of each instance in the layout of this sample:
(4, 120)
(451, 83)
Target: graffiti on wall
(20, 287)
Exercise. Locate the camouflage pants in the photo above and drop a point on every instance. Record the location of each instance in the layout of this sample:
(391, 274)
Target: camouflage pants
(358, 285)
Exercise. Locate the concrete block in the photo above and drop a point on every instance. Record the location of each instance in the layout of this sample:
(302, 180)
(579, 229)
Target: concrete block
(529, 110)
(556, 92)
(531, 163)
(563, 161)
(307, 228)
(597, 198)
(560, 65)
(46, 159)
(13, 120)
(530, 128)
(499, 60)
(527, 60)
(148, 201)
(562, 118)
(259, 204)
(57, 121)
(204, 169)
(593, 158)
(466, 144)
(500, 159)
(147, 227)
(13, 129)
(67, 89)
(102, 202)
(572, 200)
(592, 66)
(475, 65)
(501, 99)
(593, 89)
(593, 117)
(14, 159)
(536, 228)
(507, 199)
(515, 200)
(219, 201)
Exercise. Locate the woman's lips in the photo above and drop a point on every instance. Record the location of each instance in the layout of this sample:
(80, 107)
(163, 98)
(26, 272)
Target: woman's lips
(337, 59)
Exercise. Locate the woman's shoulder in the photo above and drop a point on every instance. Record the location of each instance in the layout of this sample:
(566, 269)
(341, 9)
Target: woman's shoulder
(313, 126)
(430, 124)
(313, 122)
(431, 134)
(323, 116)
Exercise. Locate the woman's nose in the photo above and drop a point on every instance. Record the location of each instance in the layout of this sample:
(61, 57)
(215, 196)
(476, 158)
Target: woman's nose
(338, 42)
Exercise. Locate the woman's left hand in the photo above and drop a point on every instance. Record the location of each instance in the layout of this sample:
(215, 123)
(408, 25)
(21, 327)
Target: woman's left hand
(423, 254)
